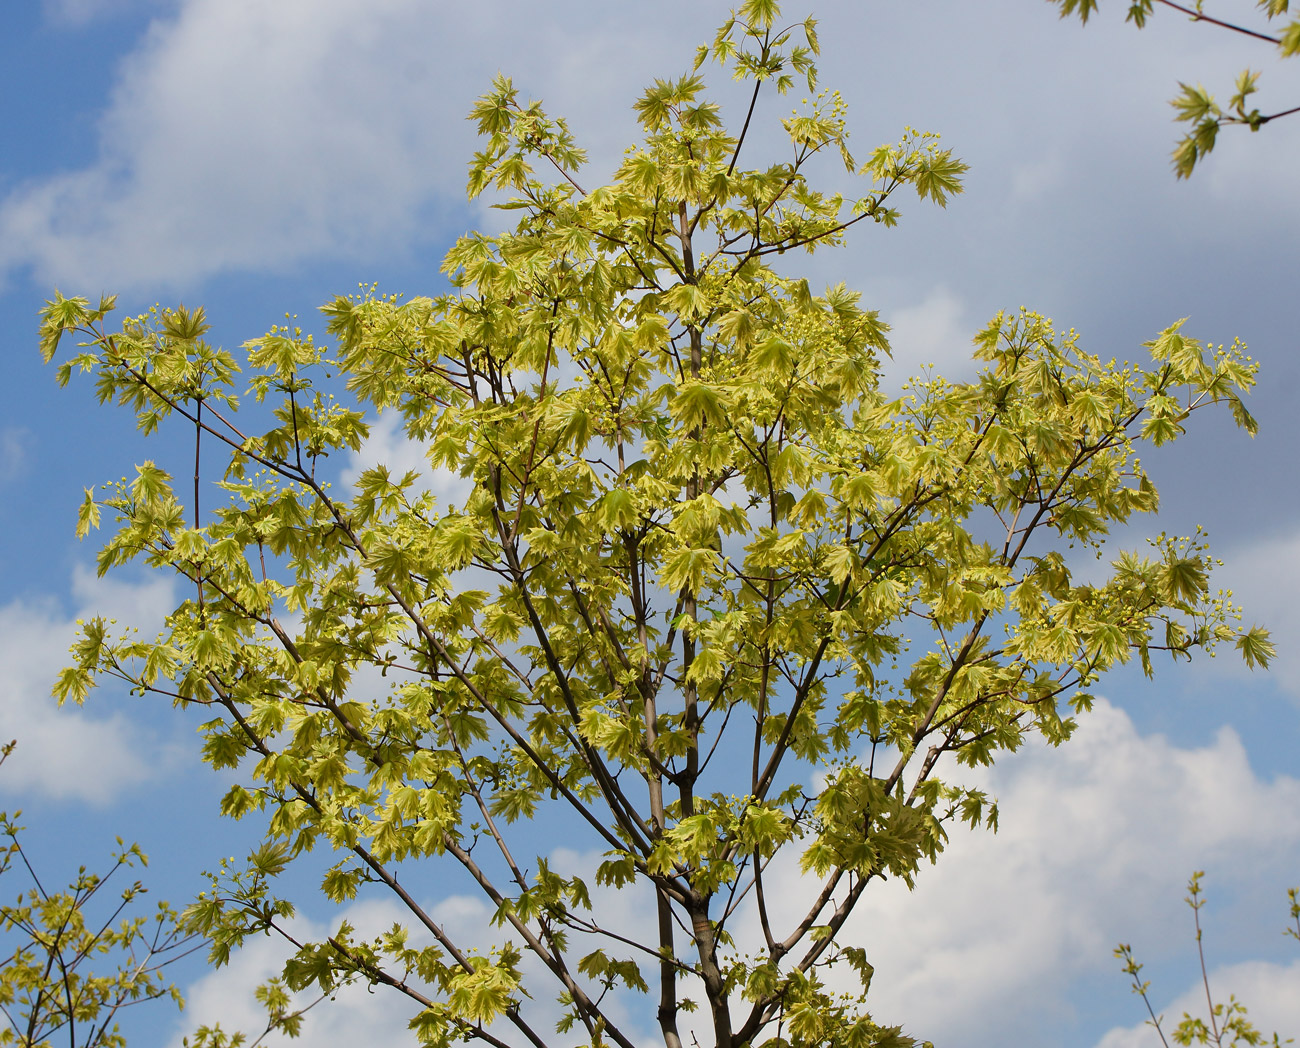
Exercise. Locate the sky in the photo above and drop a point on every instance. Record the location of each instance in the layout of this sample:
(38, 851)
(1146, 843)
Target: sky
(261, 158)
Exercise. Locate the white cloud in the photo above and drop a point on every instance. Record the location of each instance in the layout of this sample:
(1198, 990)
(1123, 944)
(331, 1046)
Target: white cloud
(1265, 577)
(1094, 837)
(242, 135)
(1269, 992)
(69, 752)
(356, 1016)
(144, 604)
(15, 447)
(1096, 841)
(388, 446)
(936, 332)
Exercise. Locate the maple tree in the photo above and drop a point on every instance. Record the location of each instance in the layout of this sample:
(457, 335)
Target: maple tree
(713, 610)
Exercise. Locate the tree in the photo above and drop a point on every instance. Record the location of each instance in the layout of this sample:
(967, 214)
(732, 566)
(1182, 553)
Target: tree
(51, 938)
(1195, 105)
(714, 610)
(1228, 1024)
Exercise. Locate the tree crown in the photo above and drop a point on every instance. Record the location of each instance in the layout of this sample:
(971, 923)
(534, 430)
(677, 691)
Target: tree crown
(710, 598)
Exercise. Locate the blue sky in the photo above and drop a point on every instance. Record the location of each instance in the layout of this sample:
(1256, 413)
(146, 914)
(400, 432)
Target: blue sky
(259, 158)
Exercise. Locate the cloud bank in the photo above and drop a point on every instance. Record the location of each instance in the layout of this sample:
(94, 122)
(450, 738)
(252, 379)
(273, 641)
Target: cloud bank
(69, 753)
(242, 136)
(1096, 840)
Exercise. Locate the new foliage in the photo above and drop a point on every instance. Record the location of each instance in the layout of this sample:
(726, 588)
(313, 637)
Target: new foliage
(1228, 1023)
(1196, 106)
(71, 960)
(712, 610)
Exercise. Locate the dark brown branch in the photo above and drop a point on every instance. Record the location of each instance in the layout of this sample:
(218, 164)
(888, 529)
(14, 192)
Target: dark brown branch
(1198, 16)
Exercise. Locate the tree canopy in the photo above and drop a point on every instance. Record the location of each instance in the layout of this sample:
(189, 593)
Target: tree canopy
(714, 611)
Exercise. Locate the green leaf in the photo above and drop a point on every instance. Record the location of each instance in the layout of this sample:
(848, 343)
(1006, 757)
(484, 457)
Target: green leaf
(1256, 647)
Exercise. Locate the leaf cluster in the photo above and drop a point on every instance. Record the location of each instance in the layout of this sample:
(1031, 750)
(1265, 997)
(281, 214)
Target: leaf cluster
(72, 959)
(1195, 105)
